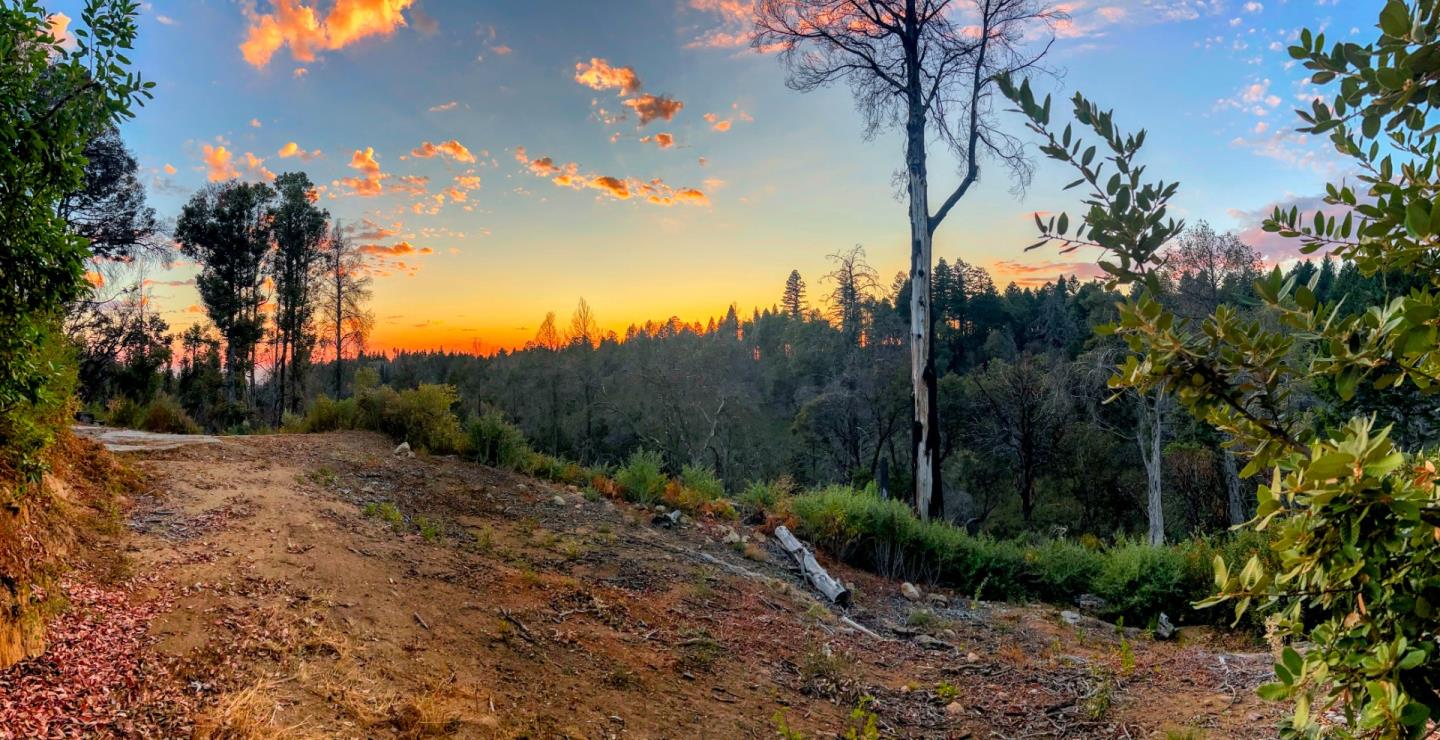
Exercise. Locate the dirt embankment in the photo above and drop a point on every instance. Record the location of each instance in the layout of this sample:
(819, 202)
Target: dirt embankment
(321, 586)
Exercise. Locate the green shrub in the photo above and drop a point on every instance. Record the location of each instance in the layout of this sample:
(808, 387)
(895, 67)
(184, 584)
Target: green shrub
(124, 413)
(1063, 569)
(164, 415)
(496, 442)
(386, 512)
(761, 496)
(641, 477)
(702, 480)
(326, 414)
(421, 416)
(1139, 581)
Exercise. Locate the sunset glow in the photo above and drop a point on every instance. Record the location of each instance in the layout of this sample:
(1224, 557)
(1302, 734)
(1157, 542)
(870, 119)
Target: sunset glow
(502, 160)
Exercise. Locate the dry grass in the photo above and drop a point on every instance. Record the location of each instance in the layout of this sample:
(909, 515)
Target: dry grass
(247, 714)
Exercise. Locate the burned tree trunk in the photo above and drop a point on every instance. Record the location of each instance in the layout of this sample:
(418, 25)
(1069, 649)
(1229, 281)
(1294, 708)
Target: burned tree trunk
(811, 570)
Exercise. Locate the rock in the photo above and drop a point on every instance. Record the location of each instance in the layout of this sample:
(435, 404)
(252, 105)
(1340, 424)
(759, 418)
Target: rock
(972, 658)
(403, 450)
(731, 536)
(954, 708)
(930, 643)
(938, 600)
(1090, 603)
(667, 520)
(558, 500)
(1164, 630)
(909, 591)
(1071, 618)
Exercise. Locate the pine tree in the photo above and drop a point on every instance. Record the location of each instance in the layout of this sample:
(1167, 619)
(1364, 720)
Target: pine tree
(793, 301)
(225, 229)
(299, 228)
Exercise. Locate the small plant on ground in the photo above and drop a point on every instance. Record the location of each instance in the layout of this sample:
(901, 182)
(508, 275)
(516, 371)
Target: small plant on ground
(864, 724)
(782, 728)
(946, 692)
(386, 512)
(430, 529)
(323, 476)
(825, 672)
(698, 653)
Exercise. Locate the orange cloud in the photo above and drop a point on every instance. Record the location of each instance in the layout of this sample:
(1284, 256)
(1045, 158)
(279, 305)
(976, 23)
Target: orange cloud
(372, 231)
(299, 27)
(291, 149)
(58, 25)
(194, 308)
(662, 140)
(256, 166)
(369, 182)
(411, 185)
(394, 250)
(568, 175)
(95, 279)
(169, 168)
(599, 75)
(219, 163)
(654, 107)
(451, 105)
(452, 149)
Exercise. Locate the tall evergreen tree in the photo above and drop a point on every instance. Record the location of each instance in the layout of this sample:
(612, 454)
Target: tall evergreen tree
(226, 229)
(299, 228)
(793, 302)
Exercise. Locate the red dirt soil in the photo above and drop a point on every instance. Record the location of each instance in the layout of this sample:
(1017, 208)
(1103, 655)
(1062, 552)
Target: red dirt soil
(282, 598)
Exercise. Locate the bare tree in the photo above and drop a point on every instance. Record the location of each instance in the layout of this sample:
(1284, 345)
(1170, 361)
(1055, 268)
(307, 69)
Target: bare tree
(343, 297)
(855, 282)
(927, 67)
(1209, 269)
(1147, 428)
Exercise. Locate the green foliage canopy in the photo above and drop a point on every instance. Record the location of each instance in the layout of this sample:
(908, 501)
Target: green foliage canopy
(1355, 518)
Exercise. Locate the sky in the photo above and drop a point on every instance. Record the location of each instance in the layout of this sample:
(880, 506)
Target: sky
(502, 159)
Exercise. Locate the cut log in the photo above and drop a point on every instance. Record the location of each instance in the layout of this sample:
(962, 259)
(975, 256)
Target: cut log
(811, 570)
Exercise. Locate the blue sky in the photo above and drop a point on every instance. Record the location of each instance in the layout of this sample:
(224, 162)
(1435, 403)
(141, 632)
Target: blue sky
(788, 182)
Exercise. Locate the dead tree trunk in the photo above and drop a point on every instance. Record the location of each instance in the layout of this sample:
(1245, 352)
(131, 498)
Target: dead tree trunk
(811, 570)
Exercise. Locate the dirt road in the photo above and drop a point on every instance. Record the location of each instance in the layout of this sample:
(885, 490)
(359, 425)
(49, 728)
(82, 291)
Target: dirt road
(321, 586)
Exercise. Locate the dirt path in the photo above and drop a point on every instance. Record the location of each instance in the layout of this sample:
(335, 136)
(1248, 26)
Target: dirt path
(321, 586)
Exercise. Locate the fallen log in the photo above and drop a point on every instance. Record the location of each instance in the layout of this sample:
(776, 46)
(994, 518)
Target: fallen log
(811, 570)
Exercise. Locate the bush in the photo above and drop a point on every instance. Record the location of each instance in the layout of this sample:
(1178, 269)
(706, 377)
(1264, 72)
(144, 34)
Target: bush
(420, 416)
(1139, 581)
(496, 442)
(760, 496)
(326, 414)
(1063, 569)
(640, 478)
(702, 480)
(164, 415)
(124, 413)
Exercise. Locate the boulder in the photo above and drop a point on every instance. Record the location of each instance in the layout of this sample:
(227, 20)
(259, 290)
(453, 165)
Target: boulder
(909, 591)
(403, 450)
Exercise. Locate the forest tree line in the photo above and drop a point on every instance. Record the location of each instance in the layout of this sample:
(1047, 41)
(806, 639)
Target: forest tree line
(813, 388)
